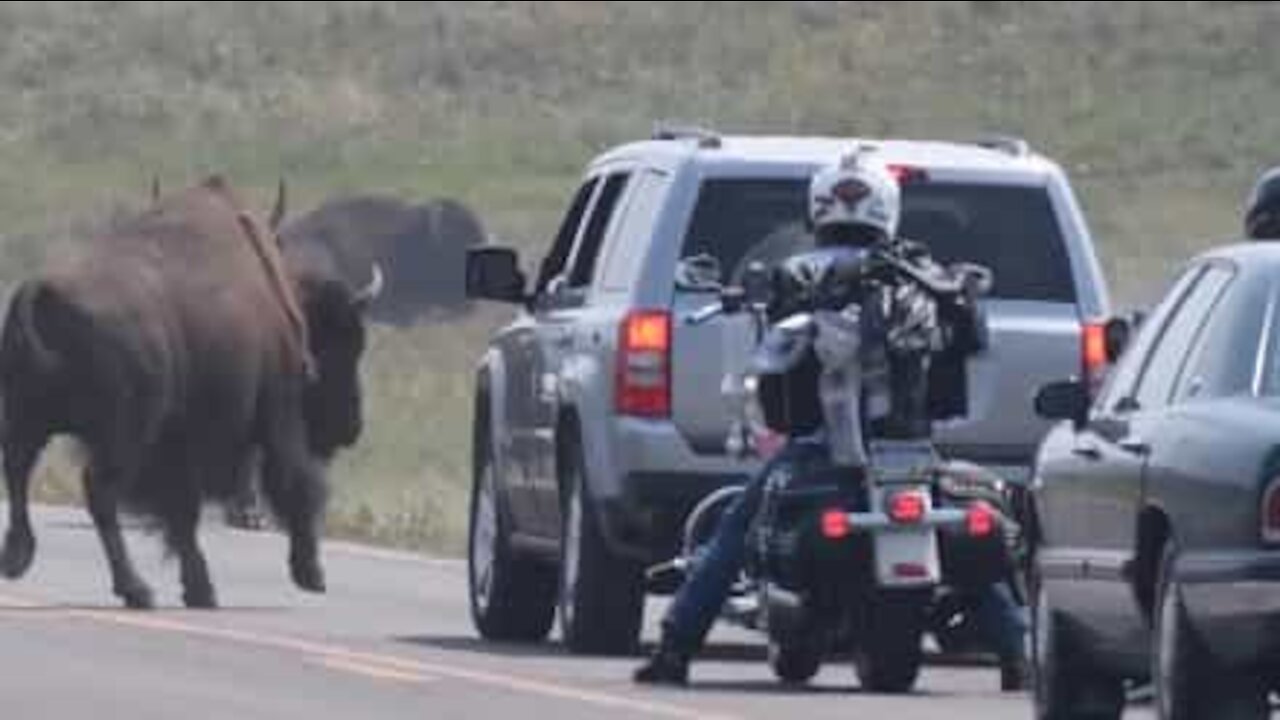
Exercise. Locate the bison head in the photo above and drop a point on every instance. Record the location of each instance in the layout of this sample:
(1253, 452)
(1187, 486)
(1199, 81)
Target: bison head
(336, 332)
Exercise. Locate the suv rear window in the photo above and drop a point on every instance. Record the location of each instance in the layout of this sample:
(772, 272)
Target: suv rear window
(1011, 229)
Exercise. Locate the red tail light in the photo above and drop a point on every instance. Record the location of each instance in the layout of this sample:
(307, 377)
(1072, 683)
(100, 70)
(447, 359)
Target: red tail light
(907, 174)
(1271, 513)
(980, 520)
(835, 524)
(907, 507)
(643, 386)
(1093, 353)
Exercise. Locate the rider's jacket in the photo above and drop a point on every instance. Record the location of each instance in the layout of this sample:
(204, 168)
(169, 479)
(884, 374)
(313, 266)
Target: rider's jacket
(919, 325)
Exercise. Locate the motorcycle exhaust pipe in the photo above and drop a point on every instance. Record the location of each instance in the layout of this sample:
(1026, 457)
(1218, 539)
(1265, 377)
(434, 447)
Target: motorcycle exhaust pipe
(784, 609)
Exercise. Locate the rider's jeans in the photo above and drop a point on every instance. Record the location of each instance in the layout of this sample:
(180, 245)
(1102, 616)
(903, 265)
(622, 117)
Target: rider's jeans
(1003, 621)
(705, 590)
(698, 601)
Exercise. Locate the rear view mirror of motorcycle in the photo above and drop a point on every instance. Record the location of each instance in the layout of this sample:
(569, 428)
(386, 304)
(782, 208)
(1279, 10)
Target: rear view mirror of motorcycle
(755, 284)
(732, 299)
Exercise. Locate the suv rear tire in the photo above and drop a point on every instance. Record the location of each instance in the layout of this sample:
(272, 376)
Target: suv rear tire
(601, 592)
(513, 598)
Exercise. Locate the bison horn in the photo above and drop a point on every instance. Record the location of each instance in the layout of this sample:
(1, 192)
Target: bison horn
(371, 291)
(277, 213)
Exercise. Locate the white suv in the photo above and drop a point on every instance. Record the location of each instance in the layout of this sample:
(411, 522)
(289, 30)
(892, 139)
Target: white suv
(598, 419)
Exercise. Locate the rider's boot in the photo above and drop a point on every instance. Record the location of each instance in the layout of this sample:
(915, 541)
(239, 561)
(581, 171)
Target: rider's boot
(1015, 673)
(668, 665)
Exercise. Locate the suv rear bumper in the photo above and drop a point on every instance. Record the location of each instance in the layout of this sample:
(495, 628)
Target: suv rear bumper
(651, 482)
(647, 520)
(653, 479)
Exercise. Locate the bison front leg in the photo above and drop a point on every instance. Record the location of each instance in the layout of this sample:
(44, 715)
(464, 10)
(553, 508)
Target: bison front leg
(197, 588)
(20, 541)
(100, 491)
(294, 487)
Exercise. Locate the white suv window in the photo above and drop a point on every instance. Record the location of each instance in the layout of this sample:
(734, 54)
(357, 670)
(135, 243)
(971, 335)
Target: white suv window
(583, 263)
(1014, 230)
(623, 263)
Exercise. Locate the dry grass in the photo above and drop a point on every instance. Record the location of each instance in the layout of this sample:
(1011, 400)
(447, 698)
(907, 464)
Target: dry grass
(1162, 112)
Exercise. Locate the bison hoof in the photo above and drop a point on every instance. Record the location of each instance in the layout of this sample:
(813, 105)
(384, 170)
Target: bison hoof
(309, 577)
(19, 551)
(138, 597)
(204, 599)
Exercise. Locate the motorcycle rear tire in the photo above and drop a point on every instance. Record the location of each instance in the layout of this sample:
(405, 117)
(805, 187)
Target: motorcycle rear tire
(795, 661)
(890, 651)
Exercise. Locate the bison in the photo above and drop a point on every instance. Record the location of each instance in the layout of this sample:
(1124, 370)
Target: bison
(176, 347)
(422, 247)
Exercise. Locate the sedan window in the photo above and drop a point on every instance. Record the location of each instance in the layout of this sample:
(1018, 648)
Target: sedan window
(1170, 354)
(1118, 390)
(1226, 358)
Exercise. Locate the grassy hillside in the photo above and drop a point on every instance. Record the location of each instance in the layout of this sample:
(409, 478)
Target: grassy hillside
(1162, 112)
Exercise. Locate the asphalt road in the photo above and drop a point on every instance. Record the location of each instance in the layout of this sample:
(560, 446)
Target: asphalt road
(391, 639)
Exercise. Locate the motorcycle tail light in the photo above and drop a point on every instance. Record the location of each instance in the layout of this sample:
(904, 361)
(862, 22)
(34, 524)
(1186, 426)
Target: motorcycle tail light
(980, 520)
(907, 507)
(835, 524)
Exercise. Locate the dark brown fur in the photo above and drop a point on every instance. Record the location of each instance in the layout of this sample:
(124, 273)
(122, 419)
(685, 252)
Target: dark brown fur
(176, 347)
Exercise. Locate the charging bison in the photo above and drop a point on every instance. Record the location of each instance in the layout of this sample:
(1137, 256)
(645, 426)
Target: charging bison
(422, 247)
(177, 346)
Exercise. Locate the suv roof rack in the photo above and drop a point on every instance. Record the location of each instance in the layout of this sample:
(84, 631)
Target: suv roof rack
(667, 131)
(1008, 144)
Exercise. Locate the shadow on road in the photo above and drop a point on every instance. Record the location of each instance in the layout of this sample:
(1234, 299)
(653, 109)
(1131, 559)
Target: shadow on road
(162, 611)
(720, 652)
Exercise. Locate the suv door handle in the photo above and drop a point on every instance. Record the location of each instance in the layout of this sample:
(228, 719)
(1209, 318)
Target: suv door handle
(1135, 446)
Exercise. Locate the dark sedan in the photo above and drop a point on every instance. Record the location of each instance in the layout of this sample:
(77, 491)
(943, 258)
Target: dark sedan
(1157, 508)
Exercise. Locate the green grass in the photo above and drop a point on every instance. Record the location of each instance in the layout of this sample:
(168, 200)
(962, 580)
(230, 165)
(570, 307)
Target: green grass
(1163, 113)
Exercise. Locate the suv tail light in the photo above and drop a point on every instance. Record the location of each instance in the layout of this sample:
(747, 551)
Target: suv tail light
(1093, 354)
(1271, 513)
(643, 385)
(908, 174)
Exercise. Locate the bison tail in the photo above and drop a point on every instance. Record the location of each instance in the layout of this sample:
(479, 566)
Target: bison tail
(24, 329)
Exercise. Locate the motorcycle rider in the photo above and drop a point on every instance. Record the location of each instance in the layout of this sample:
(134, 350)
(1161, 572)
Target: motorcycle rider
(853, 203)
(1262, 212)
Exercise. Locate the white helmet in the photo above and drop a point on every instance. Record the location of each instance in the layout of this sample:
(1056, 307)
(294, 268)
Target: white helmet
(857, 190)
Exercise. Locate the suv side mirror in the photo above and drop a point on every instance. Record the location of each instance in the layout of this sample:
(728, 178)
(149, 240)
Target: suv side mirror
(1116, 332)
(1064, 400)
(493, 273)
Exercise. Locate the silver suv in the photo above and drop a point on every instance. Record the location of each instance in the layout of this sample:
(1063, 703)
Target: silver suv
(598, 417)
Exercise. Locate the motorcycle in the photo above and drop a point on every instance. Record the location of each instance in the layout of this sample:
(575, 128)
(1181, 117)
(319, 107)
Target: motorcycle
(853, 553)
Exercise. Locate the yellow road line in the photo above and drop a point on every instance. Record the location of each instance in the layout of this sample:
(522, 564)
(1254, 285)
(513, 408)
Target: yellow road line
(384, 665)
(8, 602)
(372, 671)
